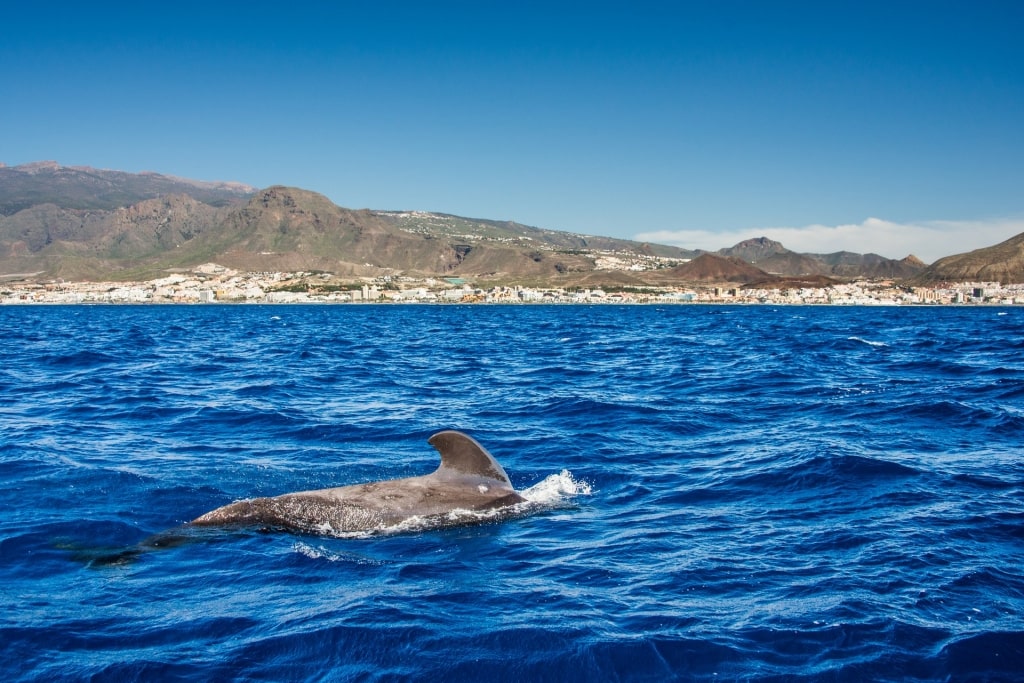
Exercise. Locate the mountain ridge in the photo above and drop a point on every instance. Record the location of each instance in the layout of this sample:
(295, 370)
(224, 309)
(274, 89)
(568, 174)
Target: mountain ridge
(81, 222)
(774, 258)
(85, 187)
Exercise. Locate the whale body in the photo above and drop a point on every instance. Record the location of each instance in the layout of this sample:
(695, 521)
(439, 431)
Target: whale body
(469, 480)
(469, 487)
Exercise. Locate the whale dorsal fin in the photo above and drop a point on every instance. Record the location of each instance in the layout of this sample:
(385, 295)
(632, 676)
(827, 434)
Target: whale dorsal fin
(462, 454)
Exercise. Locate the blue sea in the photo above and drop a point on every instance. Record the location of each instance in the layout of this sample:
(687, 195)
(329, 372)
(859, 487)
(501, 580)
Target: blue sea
(727, 493)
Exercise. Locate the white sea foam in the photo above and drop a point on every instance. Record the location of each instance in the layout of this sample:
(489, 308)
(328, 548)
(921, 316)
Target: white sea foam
(866, 341)
(312, 553)
(556, 489)
(322, 553)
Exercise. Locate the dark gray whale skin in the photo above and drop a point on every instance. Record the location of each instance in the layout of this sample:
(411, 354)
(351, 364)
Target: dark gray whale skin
(469, 478)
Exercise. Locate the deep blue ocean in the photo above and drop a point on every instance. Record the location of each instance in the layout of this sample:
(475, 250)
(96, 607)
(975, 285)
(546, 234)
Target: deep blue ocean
(730, 493)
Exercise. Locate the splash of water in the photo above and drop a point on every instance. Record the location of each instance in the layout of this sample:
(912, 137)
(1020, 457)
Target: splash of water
(556, 489)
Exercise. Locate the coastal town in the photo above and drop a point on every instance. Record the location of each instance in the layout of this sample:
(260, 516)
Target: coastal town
(211, 284)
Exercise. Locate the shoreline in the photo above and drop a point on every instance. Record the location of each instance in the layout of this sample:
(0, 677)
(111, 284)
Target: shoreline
(390, 303)
(222, 286)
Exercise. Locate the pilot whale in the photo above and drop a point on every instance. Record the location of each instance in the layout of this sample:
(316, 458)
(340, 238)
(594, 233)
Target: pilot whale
(468, 479)
(469, 487)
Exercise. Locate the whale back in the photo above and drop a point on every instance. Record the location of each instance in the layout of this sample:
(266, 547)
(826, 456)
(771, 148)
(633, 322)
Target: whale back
(463, 456)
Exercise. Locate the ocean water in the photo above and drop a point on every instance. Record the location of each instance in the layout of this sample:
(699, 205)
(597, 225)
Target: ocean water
(725, 493)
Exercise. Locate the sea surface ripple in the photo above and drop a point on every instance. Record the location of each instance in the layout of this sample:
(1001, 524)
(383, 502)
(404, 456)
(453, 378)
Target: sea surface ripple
(745, 493)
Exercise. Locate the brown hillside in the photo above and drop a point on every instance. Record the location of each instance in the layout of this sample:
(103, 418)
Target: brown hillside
(1003, 263)
(277, 229)
(713, 268)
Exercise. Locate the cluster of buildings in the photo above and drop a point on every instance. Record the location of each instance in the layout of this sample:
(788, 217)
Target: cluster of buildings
(211, 283)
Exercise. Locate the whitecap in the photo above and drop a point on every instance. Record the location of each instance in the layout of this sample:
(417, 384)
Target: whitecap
(866, 341)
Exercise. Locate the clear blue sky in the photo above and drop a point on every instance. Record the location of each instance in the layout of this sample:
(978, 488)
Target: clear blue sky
(693, 122)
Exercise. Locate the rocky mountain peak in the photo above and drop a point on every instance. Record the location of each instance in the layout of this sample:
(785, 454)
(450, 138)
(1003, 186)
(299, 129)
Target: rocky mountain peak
(761, 243)
(755, 249)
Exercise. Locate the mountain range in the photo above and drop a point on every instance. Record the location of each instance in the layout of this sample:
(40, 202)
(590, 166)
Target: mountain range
(81, 223)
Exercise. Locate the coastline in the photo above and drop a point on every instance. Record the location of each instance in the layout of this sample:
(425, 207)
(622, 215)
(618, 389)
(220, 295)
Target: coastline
(228, 287)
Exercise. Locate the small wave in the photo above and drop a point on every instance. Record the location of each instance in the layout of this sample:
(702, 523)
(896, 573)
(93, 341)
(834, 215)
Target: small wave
(987, 655)
(322, 553)
(81, 359)
(825, 473)
(867, 341)
(312, 553)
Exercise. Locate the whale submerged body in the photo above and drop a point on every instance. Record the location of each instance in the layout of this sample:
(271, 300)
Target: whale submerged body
(468, 487)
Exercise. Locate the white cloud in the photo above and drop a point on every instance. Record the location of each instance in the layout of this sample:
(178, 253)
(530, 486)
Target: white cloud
(929, 241)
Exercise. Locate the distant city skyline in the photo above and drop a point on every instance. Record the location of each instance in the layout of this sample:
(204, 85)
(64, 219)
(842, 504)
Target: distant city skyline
(891, 128)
